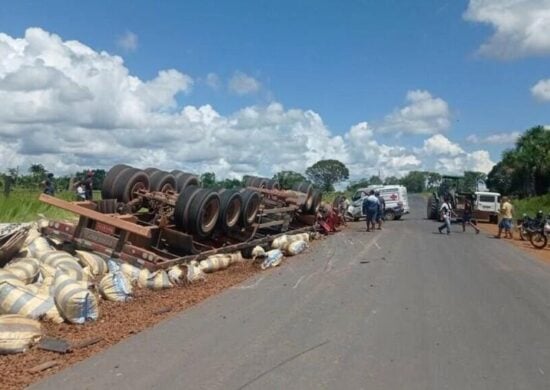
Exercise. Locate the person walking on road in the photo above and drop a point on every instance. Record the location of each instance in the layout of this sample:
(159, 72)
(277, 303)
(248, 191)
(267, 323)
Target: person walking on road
(506, 213)
(467, 216)
(445, 212)
(381, 209)
(370, 209)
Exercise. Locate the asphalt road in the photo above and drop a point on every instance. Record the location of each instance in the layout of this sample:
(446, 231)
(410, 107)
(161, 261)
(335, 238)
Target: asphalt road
(401, 308)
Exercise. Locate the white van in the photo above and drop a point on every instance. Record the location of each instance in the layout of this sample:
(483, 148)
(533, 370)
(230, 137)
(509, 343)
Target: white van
(486, 206)
(395, 196)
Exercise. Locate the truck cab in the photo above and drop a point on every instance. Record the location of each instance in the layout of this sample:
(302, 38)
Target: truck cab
(395, 196)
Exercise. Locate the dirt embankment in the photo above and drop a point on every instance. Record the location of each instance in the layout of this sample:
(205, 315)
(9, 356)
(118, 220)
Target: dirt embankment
(541, 254)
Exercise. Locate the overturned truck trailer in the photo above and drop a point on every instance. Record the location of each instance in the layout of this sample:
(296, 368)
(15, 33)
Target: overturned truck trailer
(156, 219)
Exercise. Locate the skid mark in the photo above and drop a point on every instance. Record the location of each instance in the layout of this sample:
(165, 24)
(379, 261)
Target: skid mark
(254, 285)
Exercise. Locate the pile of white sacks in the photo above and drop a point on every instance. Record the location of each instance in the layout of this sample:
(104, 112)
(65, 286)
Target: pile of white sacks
(43, 283)
(286, 245)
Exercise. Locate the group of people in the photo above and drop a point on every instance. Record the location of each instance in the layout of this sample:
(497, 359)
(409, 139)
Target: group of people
(374, 206)
(83, 188)
(505, 224)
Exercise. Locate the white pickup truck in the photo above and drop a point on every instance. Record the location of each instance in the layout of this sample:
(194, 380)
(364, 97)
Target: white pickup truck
(395, 196)
(486, 206)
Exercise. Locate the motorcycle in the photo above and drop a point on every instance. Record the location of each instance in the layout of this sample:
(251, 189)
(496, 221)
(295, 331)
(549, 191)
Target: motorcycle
(539, 236)
(529, 225)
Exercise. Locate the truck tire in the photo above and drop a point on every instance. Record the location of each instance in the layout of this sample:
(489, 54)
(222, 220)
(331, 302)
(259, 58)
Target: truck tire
(259, 182)
(231, 203)
(181, 210)
(107, 187)
(273, 185)
(184, 179)
(250, 207)
(128, 182)
(306, 188)
(150, 171)
(317, 198)
(161, 181)
(204, 212)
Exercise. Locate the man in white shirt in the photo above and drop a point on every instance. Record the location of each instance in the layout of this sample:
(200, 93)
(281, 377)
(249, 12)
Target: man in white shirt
(445, 212)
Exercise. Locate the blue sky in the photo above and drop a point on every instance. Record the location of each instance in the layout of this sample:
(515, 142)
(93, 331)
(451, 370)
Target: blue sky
(349, 62)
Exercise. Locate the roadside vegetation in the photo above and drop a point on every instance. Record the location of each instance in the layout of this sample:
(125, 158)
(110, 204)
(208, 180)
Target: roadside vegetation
(531, 206)
(24, 206)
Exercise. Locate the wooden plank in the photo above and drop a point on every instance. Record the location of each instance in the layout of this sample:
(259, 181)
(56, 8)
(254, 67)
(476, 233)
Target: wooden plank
(144, 231)
(43, 366)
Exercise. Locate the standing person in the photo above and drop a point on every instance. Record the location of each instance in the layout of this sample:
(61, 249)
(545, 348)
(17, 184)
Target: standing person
(370, 209)
(80, 193)
(381, 209)
(445, 212)
(467, 216)
(49, 188)
(506, 213)
(88, 185)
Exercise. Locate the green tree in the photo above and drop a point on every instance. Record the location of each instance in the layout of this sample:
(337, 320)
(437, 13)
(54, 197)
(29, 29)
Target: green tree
(375, 180)
(500, 178)
(208, 179)
(325, 173)
(287, 179)
(415, 181)
(229, 183)
(434, 179)
(38, 172)
(390, 180)
(524, 170)
(354, 185)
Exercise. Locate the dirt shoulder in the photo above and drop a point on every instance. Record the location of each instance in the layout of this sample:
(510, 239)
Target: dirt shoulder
(541, 254)
(117, 321)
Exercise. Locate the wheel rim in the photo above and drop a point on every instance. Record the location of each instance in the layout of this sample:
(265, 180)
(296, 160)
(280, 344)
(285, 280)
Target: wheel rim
(233, 212)
(209, 215)
(252, 209)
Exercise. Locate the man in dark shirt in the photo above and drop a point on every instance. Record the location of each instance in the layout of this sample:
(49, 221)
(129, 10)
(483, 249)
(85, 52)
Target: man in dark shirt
(49, 188)
(467, 216)
(88, 186)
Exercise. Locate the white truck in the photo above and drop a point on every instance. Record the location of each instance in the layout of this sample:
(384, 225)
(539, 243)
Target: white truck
(395, 196)
(486, 205)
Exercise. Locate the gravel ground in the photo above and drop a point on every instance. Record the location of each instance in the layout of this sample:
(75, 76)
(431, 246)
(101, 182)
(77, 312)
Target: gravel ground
(541, 254)
(117, 321)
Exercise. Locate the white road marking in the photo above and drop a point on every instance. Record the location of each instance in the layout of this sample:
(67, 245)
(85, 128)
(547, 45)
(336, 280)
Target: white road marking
(299, 281)
(254, 285)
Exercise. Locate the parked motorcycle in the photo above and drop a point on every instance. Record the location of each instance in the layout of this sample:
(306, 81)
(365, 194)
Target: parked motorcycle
(529, 225)
(539, 236)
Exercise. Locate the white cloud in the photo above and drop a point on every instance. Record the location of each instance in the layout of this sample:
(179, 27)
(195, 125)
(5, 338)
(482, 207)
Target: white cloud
(70, 107)
(424, 114)
(478, 161)
(243, 84)
(439, 145)
(213, 81)
(522, 27)
(128, 41)
(541, 90)
(494, 139)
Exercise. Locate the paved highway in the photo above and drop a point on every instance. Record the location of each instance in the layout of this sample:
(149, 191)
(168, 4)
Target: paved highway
(402, 308)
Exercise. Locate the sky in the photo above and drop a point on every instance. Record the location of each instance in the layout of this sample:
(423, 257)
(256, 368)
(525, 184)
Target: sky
(256, 87)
